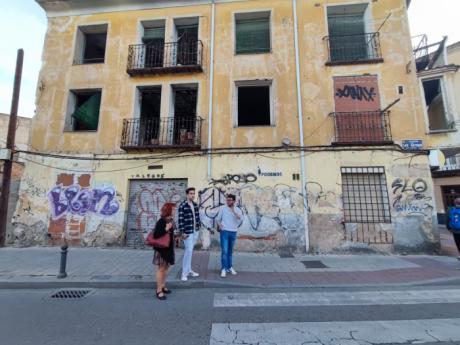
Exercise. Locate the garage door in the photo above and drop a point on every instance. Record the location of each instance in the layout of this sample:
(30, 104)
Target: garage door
(146, 197)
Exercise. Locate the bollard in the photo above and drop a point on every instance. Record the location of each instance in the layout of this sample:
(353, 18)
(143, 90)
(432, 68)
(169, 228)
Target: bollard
(62, 273)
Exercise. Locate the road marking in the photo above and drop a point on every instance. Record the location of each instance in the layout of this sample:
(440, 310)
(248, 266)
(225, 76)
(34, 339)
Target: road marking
(338, 333)
(300, 299)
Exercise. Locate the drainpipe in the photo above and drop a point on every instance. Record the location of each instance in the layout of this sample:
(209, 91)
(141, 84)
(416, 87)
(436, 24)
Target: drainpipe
(299, 115)
(211, 89)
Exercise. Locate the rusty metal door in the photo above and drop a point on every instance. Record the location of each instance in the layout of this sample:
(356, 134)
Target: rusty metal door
(146, 197)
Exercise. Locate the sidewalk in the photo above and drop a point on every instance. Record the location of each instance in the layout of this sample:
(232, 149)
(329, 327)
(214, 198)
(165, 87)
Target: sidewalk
(37, 267)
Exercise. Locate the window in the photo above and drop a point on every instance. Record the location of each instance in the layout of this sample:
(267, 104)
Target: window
(435, 105)
(184, 99)
(348, 40)
(254, 105)
(153, 38)
(252, 33)
(91, 42)
(84, 107)
(186, 30)
(149, 115)
(365, 195)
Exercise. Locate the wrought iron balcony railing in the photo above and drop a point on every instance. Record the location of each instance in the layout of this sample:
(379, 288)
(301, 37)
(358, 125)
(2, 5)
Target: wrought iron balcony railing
(362, 128)
(145, 133)
(354, 49)
(159, 58)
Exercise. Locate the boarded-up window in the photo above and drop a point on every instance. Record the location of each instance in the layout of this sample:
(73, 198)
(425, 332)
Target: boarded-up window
(252, 32)
(365, 195)
(356, 93)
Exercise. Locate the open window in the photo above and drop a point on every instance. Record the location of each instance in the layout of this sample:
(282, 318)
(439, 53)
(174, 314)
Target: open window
(186, 36)
(153, 36)
(252, 33)
(254, 104)
(184, 122)
(149, 115)
(91, 44)
(84, 108)
(349, 37)
(435, 105)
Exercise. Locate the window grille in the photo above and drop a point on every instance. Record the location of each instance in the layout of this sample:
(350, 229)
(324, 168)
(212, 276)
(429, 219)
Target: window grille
(365, 195)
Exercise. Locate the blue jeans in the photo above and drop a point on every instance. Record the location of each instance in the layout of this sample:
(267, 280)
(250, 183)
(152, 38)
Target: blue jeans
(227, 241)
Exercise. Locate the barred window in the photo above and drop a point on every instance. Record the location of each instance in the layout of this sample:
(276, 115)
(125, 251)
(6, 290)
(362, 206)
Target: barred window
(365, 195)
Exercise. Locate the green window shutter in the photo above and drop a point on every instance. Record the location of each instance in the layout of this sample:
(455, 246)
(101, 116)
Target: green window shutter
(88, 113)
(253, 36)
(153, 34)
(347, 38)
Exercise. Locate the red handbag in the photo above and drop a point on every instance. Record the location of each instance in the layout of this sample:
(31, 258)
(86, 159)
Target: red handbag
(160, 242)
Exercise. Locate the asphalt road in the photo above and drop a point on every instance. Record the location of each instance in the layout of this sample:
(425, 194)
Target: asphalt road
(225, 316)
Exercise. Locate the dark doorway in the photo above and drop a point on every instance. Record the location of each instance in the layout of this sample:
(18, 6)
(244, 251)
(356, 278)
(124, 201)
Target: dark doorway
(185, 102)
(150, 105)
(187, 44)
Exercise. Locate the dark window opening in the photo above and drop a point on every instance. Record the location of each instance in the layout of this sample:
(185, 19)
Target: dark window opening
(154, 40)
(184, 121)
(187, 44)
(434, 102)
(149, 124)
(252, 31)
(87, 107)
(254, 106)
(94, 48)
(365, 195)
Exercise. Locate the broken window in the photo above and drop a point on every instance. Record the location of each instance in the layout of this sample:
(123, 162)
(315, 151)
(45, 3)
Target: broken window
(154, 40)
(84, 109)
(365, 195)
(187, 41)
(254, 106)
(434, 101)
(91, 43)
(149, 115)
(252, 32)
(185, 119)
(348, 40)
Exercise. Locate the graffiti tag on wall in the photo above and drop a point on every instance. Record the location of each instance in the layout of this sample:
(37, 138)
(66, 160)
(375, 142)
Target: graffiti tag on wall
(410, 196)
(80, 201)
(356, 92)
(239, 178)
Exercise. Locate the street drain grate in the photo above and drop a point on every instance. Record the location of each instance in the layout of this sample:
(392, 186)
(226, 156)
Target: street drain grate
(314, 264)
(70, 294)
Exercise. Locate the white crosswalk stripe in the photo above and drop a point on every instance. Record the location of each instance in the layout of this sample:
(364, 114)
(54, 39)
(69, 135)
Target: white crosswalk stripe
(338, 333)
(297, 299)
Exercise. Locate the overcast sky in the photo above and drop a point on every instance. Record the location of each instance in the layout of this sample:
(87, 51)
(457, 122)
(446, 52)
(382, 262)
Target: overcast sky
(23, 25)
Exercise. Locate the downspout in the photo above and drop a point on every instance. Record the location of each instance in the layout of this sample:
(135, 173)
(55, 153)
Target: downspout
(211, 89)
(299, 115)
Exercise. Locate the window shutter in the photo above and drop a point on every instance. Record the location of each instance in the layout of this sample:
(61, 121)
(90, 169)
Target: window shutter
(153, 34)
(253, 36)
(88, 113)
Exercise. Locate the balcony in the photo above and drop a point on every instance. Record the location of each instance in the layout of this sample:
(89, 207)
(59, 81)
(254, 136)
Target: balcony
(452, 164)
(161, 58)
(150, 133)
(362, 128)
(354, 49)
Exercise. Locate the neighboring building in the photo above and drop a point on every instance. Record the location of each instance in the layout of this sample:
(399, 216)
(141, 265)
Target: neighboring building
(21, 141)
(149, 98)
(438, 70)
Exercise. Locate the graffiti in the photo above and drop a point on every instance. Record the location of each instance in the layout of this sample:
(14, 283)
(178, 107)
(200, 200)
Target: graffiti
(268, 173)
(357, 92)
(80, 201)
(318, 196)
(229, 178)
(410, 197)
(32, 189)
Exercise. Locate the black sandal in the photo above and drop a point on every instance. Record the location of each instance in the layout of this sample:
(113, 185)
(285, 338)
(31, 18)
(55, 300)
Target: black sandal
(161, 297)
(166, 290)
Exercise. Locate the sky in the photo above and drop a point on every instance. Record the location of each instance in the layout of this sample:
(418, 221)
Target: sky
(23, 25)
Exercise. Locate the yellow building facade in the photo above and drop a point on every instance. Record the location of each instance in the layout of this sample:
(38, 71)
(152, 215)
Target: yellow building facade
(308, 111)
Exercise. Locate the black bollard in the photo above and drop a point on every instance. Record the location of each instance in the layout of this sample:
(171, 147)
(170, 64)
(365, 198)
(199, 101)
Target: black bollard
(62, 273)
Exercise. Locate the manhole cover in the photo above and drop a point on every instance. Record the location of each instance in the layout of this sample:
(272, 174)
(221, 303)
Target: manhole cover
(314, 264)
(70, 294)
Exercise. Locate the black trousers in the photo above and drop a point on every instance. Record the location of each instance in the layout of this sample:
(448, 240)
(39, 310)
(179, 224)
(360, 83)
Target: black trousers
(457, 241)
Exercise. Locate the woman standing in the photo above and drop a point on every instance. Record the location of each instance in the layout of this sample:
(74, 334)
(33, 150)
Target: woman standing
(164, 257)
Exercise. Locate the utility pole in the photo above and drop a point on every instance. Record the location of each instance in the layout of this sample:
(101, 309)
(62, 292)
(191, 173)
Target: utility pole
(8, 163)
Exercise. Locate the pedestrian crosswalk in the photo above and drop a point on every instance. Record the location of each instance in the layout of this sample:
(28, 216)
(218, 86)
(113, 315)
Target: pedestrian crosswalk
(421, 331)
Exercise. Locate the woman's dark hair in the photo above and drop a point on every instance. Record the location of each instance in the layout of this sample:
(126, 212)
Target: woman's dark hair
(188, 190)
(231, 196)
(167, 210)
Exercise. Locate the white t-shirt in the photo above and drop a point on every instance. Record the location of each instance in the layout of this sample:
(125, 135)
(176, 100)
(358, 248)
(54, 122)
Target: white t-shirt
(229, 221)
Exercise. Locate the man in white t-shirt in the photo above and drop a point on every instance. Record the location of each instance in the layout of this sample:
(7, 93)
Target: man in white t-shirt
(228, 219)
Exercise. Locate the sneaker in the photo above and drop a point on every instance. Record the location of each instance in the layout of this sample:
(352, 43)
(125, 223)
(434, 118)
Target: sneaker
(193, 274)
(232, 271)
(223, 273)
(184, 278)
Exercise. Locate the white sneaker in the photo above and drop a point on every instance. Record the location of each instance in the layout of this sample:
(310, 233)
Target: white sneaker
(223, 273)
(193, 274)
(232, 271)
(184, 278)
